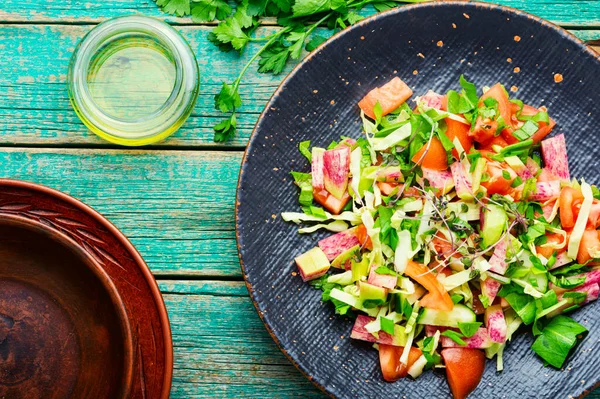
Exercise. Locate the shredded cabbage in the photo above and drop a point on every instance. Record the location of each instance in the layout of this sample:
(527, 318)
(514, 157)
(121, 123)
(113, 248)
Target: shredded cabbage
(584, 214)
(383, 143)
(335, 226)
(299, 217)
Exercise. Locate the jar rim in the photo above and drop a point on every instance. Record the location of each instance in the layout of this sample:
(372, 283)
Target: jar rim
(156, 125)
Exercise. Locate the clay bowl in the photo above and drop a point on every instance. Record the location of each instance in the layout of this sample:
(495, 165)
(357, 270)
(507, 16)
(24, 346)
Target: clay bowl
(64, 332)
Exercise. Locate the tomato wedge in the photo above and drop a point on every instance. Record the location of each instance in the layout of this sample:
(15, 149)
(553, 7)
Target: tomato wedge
(438, 297)
(547, 252)
(329, 202)
(460, 131)
(390, 96)
(544, 128)
(590, 243)
(497, 140)
(464, 369)
(433, 158)
(498, 183)
(567, 206)
(486, 129)
(391, 366)
(363, 237)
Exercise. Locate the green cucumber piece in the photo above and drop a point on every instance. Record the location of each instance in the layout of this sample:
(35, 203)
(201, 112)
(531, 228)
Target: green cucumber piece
(459, 314)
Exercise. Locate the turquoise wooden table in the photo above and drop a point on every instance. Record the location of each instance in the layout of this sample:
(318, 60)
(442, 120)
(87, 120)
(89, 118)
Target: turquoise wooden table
(173, 200)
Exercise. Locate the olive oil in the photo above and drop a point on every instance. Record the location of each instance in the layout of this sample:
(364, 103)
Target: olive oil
(131, 78)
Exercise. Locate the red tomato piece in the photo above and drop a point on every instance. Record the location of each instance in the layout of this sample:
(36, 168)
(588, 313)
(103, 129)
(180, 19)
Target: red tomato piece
(568, 210)
(391, 366)
(498, 183)
(460, 131)
(390, 96)
(438, 297)
(464, 369)
(433, 157)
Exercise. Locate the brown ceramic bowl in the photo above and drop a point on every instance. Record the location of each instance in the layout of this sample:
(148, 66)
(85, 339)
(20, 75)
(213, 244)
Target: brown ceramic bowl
(80, 314)
(63, 327)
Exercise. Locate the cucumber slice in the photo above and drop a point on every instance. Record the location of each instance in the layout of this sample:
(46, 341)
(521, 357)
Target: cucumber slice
(493, 224)
(459, 314)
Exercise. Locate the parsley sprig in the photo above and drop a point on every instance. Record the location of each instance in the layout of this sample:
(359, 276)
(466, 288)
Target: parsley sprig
(298, 20)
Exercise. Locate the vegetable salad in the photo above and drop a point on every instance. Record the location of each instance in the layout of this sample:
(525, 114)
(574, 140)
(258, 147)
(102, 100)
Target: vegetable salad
(456, 222)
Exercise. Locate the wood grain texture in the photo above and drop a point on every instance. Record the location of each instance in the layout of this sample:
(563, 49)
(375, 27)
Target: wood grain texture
(565, 12)
(35, 109)
(176, 207)
(222, 349)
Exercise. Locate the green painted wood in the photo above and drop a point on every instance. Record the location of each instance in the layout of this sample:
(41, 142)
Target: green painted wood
(221, 347)
(177, 207)
(565, 12)
(35, 109)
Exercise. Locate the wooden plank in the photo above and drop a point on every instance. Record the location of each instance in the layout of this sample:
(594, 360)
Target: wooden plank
(177, 207)
(221, 347)
(36, 110)
(564, 12)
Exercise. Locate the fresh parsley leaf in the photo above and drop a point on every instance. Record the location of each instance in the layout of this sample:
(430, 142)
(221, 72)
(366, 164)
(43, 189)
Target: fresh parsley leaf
(384, 5)
(175, 7)
(469, 92)
(456, 298)
(566, 283)
(273, 59)
(297, 39)
(315, 42)
(454, 336)
(209, 10)
(428, 344)
(230, 31)
(228, 98)
(284, 5)
(226, 129)
(469, 329)
(557, 340)
(372, 303)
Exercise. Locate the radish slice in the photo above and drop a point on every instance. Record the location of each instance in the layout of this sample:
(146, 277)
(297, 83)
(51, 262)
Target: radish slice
(382, 280)
(545, 191)
(339, 243)
(495, 323)
(479, 340)
(359, 332)
(554, 151)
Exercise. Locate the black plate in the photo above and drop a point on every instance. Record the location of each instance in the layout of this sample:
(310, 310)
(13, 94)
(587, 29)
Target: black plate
(318, 102)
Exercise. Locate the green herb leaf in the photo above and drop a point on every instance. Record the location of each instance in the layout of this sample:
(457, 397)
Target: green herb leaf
(209, 10)
(226, 129)
(230, 31)
(304, 148)
(454, 336)
(387, 325)
(228, 98)
(386, 271)
(469, 329)
(273, 58)
(315, 42)
(175, 7)
(557, 340)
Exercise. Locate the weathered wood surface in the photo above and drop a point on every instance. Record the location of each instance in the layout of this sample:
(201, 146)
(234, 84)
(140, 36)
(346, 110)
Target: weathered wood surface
(34, 106)
(564, 12)
(177, 207)
(222, 349)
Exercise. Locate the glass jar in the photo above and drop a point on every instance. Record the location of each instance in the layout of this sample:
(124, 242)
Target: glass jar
(133, 80)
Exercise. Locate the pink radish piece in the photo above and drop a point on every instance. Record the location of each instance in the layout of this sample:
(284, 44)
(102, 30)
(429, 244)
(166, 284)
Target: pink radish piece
(495, 323)
(479, 340)
(382, 280)
(592, 291)
(561, 260)
(431, 99)
(317, 169)
(591, 278)
(359, 332)
(339, 243)
(490, 288)
(498, 258)
(545, 191)
(532, 166)
(554, 151)
(336, 165)
(439, 179)
(462, 182)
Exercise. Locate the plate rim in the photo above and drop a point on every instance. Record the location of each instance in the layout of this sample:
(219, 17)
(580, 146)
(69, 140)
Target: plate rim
(398, 10)
(137, 258)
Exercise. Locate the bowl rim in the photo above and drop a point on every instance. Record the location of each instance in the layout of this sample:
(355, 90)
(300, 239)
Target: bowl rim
(397, 10)
(143, 267)
(68, 243)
